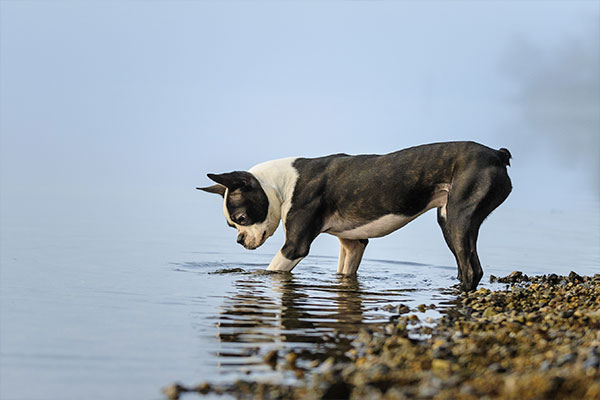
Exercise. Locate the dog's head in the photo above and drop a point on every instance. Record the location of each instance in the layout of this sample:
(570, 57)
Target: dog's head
(247, 207)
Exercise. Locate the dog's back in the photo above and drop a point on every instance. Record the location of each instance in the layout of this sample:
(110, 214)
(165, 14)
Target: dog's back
(366, 187)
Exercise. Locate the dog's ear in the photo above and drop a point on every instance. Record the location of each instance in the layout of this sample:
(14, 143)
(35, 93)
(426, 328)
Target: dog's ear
(218, 189)
(235, 180)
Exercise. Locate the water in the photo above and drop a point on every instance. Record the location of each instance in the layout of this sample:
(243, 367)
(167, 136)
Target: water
(113, 313)
(315, 310)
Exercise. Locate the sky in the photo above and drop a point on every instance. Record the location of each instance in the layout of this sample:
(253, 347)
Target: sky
(113, 112)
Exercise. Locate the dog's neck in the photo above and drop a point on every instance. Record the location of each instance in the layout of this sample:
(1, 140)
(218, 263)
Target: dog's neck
(278, 179)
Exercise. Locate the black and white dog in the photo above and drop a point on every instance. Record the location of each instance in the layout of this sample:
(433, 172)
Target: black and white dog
(366, 196)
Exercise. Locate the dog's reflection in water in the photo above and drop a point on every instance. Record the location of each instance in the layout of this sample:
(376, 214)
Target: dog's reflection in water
(281, 311)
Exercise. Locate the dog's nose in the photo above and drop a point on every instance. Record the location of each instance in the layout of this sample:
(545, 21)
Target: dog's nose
(240, 238)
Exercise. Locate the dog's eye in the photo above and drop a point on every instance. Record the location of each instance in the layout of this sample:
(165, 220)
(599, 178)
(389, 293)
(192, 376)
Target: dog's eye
(240, 219)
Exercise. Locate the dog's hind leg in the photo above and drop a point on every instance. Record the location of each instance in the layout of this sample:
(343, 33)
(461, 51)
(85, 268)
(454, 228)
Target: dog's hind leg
(351, 252)
(461, 239)
(470, 201)
(442, 218)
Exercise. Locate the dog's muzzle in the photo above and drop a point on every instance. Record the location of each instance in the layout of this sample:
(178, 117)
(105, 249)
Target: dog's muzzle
(251, 244)
(241, 238)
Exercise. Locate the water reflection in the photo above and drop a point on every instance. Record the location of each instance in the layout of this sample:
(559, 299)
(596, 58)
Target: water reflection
(316, 317)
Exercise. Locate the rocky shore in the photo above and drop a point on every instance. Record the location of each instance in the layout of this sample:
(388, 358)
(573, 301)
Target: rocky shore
(536, 338)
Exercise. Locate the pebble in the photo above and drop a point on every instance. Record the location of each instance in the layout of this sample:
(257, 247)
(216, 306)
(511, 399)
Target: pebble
(402, 309)
(271, 358)
(291, 358)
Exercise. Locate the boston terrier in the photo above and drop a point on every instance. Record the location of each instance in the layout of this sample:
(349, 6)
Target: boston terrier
(367, 196)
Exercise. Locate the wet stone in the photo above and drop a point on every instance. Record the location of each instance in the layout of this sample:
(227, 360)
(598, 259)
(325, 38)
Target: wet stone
(566, 359)
(575, 278)
(513, 277)
(224, 271)
(592, 361)
(271, 358)
(566, 314)
(402, 309)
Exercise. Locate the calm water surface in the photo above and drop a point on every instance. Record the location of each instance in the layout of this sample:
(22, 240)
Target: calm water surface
(109, 314)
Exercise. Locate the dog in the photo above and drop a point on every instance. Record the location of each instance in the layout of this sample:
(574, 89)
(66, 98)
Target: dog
(356, 198)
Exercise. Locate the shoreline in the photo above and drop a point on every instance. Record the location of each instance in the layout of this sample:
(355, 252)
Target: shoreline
(537, 338)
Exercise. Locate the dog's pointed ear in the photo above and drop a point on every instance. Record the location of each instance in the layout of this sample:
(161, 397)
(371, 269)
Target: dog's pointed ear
(235, 180)
(218, 189)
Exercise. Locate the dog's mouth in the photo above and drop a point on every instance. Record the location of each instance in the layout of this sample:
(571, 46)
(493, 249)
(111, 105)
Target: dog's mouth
(260, 242)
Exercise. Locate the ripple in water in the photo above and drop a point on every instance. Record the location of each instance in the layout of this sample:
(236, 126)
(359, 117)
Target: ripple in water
(313, 311)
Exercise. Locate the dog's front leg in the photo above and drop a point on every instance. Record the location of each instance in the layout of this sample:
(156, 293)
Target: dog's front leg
(299, 234)
(292, 252)
(351, 252)
(282, 263)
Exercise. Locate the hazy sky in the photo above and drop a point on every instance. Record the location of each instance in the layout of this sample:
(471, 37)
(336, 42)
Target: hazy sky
(117, 110)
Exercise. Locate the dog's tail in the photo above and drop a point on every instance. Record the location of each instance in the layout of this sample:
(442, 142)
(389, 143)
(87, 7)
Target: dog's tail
(505, 155)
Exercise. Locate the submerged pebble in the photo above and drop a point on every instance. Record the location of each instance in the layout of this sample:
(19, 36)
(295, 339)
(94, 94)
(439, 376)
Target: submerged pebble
(223, 271)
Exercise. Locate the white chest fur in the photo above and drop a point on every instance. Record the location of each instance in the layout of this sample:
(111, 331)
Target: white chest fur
(279, 178)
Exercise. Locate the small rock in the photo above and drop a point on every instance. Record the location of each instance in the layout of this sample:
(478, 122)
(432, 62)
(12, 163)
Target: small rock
(402, 309)
(545, 365)
(205, 387)
(291, 358)
(441, 352)
(327, 365)
(388, 307)
(363, 392)
(497, 367)
(438, 364)
(377, 371)
(514, 276)
(594, 315)
(468, 390)
(224, 271)
(592, 361)
(575, 278)
(427, 391)
(566, 359)
(489, 312)
(271, 358)
(566, 314)
(173, 391)
(389, 329)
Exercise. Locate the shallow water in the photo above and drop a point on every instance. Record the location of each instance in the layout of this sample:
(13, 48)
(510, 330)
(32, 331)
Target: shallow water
(313, 312)
(98, 313)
